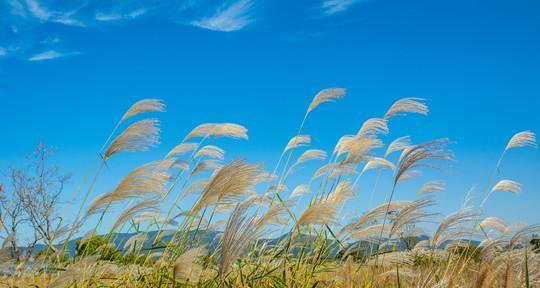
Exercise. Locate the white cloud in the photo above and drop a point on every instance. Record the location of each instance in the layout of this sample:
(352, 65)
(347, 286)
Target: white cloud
(37, 10)
(108, 17)
(50, 54)
(330, 7)
(104, 17)
(43, 14)
(233, 17)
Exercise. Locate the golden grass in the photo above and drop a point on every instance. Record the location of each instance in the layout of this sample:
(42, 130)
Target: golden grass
(320, 248)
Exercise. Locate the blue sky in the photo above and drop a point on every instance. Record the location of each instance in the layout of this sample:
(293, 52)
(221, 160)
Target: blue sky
(67, 73)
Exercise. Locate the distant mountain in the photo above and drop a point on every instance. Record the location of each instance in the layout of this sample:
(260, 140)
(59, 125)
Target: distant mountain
(301, 243)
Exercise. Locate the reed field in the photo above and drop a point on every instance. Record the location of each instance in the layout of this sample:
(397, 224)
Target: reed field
(247, 227)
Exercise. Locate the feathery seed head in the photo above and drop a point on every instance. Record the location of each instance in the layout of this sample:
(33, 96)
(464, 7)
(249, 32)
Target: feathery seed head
(522, 139)
(326, 95)
(407, 105)
(144, 106)
(139, 136)
(507, 185)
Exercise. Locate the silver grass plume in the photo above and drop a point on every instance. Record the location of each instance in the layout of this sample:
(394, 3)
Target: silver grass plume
(205, 165)
(308, 155)
(299, 190)
(144, 180)
(195, 186)
(317, 214)
(431, 187)
(522, 139)
(186, 268)
(411, 214)
(418, 155)
(231, 181)
(343, 191)
(378, 163)
(211, 151)
(360, 148)
(144, 106)
(370, 233)
(326, 95)
(135, 242)
(239, 232)
(182, 148)
(148, 205)
(507, 185)
(139, 136)
(398, 144)
(343, 144)
(496, 223)
(452, 227)
(375, 214)
(227, 130)
(407, 105)
(276, 214)
(373, 127)
(297, 141)
(333, 170)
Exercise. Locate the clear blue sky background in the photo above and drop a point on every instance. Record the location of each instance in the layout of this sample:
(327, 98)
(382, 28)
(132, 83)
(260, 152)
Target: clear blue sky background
(67, 73)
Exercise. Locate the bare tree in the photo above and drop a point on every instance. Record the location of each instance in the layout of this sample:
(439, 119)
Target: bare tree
(11, 215)
(40, 185)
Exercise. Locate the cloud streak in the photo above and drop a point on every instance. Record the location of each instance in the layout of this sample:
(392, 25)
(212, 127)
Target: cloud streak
(331, 7)
(30, 25)
(49, 55)
(233, 17)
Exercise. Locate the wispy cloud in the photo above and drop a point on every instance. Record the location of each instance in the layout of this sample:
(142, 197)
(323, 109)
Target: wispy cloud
(50, 54)
(233, 17)
(331, 7)
(104, 17)
(40, 12)
(23, 31)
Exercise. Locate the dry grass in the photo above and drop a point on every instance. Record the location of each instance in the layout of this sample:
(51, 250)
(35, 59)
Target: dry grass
(243, 203)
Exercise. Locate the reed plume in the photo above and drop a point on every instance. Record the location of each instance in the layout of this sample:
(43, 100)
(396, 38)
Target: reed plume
(139, 136)
(144, 180)
(144, 106)
(522, 139)
(181, 149)
(239, 232)
(211, 151)
(343, 191)
(495, 223)
(411, 214)
(299, 190)
(378, 163)
(297, 141)
(360, 148)
(452, 227)
(398, 144)
(418, 155)
(206, 165)
(326, 95)
(373, 127)
(148, 205)
(230, 182)
(431, 187)
(407, 105)
(227, 130)
(308, 155)
(317, 214)
(507, 185)
(186, 267)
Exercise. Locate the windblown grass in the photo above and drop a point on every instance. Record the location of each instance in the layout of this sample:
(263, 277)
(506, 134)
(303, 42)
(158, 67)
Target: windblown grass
(386, 246)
